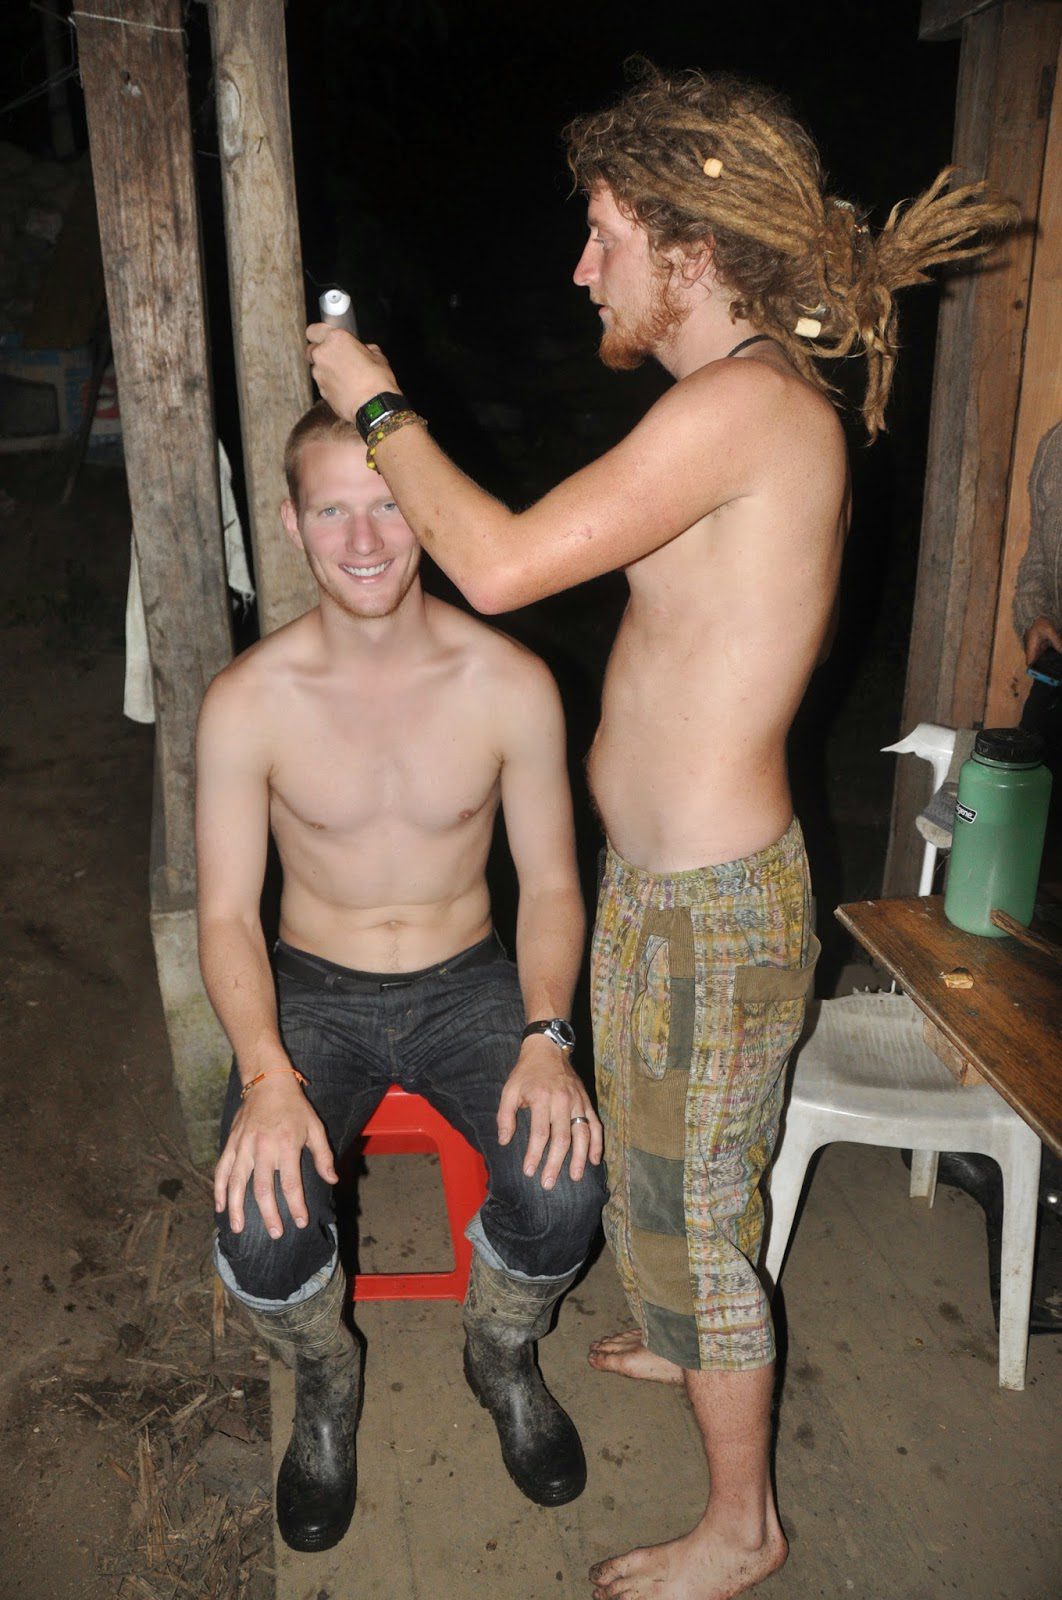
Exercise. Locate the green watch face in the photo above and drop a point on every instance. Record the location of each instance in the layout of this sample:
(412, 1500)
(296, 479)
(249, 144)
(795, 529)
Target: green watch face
(374, 409)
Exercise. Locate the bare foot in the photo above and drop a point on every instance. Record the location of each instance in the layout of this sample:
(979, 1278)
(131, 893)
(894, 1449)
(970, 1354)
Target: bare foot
(701, 1566)
(625, 1353)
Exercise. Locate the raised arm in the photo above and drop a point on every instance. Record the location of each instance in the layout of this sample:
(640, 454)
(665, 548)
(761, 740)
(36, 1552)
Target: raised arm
(690, 454)
(551, 922)
(275, 1120)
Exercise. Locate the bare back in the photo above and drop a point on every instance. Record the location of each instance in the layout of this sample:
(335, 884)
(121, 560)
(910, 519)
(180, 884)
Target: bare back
(724, 626)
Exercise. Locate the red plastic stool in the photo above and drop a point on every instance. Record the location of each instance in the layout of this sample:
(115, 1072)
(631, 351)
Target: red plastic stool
(405, 1124)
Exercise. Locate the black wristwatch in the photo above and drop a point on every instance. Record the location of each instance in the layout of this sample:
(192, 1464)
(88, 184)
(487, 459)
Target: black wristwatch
(375, 410)
(556, 1029)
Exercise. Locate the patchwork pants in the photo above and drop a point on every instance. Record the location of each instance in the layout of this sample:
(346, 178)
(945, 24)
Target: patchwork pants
(699, 981)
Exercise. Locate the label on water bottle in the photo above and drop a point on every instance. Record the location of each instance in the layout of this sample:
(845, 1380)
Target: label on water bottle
(964, 813)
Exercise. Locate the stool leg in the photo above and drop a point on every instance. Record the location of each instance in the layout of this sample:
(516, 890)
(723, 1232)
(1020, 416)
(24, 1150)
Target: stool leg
(786, 1184)
(1020, 1165)
(464, 1177)
(924, 1165)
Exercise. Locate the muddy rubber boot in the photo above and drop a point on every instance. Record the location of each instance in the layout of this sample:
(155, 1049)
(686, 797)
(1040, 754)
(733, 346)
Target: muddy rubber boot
(318, 1478)
(503, 1317)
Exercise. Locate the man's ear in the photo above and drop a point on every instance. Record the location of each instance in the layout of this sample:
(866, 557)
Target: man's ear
(289, 516)
(697, 262)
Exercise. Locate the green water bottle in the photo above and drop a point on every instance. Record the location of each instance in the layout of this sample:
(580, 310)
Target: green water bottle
(998, 840)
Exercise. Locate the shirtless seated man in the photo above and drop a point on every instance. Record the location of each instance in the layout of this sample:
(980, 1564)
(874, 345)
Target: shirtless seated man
(376, 737)
(714, 248)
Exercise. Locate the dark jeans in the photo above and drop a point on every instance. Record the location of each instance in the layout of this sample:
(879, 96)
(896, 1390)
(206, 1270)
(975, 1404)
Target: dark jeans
(451, 1034)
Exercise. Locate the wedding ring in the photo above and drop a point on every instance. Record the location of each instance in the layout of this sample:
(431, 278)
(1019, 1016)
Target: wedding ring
(580, 1119)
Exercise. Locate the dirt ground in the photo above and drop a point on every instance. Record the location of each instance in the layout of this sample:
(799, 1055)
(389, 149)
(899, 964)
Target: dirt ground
(133, 1418)
(134, 1411)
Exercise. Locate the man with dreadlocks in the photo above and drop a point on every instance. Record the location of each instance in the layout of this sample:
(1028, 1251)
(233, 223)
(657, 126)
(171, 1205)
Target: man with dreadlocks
(715, 249)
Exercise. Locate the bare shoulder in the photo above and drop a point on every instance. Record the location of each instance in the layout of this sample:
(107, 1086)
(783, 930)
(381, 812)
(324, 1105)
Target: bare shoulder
(259, 673)
(763, 393)
(492, 663)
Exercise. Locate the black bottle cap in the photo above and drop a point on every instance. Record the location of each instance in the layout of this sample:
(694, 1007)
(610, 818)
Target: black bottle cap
(1017, 747)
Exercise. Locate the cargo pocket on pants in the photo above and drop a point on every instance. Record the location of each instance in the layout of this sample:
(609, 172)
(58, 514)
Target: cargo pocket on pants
(769, 1009)
(776, 985)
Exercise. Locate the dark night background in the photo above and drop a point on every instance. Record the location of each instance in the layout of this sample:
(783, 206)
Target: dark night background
(432, 183)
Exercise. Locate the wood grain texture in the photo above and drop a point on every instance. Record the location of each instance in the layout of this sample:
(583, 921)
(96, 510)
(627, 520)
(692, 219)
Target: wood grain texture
(132, 56)
(943, 19)
(1000, 134)
(962, 1071)
(1008, 1025)
(265, 281)
(1039, 408)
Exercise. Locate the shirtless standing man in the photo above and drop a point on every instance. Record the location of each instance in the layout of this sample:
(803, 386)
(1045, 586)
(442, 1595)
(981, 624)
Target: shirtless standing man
(713, 248)
(376, 737)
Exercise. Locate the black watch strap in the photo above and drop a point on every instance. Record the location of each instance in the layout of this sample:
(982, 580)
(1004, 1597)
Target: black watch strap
(558, 1029)
(375, 410)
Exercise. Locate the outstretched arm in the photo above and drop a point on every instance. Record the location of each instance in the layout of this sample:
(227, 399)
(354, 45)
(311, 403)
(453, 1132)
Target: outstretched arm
(550, 928)
(685, 458)
(276, 1120)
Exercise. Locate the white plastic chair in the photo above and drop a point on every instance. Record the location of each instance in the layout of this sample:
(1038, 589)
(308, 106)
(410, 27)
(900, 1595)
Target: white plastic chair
(863, 1075)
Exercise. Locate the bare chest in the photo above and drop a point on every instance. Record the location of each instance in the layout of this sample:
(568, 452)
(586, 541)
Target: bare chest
(401, 767)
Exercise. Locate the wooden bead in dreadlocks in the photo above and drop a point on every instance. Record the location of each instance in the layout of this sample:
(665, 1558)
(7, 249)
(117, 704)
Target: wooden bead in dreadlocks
(713, 160)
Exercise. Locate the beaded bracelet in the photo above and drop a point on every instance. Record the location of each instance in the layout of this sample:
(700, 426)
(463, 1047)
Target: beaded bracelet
(382, 430)
(249, 1085)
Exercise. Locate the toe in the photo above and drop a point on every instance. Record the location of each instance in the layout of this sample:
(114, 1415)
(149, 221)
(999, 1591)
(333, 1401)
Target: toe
(605, 1573)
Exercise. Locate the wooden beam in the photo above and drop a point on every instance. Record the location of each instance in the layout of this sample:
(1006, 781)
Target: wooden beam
(132, 55)
(1039, 408)
(265, 279)
(136, 100)
(943, 19)
(1000, 130)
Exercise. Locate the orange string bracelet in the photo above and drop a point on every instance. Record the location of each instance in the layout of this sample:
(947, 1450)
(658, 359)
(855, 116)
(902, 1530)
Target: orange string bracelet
(249, 1085)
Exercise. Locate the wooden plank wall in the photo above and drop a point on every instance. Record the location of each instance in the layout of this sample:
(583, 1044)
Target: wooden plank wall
(1008, 54)
(265, 280)
(1039, 408)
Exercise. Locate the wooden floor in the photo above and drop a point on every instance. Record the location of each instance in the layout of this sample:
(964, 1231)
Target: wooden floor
(904, 1472)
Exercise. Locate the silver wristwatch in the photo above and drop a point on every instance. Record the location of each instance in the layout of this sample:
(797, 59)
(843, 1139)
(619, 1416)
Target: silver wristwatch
(556, 1029)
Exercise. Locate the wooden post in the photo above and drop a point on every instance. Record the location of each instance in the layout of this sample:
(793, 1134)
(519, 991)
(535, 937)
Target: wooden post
(1008, 56)
(133, 70)
(1039, 408)
(265, 278)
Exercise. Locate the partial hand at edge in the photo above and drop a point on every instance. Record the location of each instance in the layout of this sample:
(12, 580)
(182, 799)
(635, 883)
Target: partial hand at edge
(1038, 636)
(544, 1082)
(270, 1130)
(346, 372)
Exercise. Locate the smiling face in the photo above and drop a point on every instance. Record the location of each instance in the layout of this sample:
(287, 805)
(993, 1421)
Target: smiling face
(360, 549)
(631, 285)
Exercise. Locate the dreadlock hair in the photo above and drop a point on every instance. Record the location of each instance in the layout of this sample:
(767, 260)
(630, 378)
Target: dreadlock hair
(320, 422)
(699, 159)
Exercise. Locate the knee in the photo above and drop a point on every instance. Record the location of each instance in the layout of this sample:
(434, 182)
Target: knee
(274, 1269)
(575, 1206)
(563, 1220)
